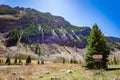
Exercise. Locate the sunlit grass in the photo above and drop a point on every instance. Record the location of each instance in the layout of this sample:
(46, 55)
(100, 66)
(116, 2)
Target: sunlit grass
(58, 70)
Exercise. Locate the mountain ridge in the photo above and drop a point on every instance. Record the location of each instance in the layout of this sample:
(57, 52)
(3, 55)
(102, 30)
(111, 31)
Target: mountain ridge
(34, 23)
(44, 26)
(21, 29)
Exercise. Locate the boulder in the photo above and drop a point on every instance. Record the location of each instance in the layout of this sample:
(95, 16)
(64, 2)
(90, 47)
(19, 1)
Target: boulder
(14, 73)
(55, 78)
(21, 78)
(68, 71)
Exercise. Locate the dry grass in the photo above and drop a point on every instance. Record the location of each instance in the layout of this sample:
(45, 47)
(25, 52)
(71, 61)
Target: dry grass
(48, 70)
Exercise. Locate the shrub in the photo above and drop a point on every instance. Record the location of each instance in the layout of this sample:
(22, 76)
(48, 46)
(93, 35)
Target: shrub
(15, 62)
(38, 62)
(0, 61)
(28, 60)
(20, 61)
(110, 62)
(71, 61)
(8, 61)
(112, 49)
(63, 60)
(115, 61)
(42, 61)
(75, 61)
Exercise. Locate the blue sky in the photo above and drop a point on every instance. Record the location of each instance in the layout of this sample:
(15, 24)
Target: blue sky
(105, 13)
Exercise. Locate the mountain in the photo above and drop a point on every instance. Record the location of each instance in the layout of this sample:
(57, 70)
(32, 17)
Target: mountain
(38, 27)
(19, 16)
(57, 36)
(113, 39)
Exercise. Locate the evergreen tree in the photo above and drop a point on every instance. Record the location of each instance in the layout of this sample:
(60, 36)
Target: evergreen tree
(71, 61)
(28, 60)
(63, 60)
(20, 61)
(8, 61)
(15, 62)
(38, 62)
(96, 45)
(0, 61)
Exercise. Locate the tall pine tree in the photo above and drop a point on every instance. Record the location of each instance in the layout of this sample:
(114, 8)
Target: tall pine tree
(96, 45)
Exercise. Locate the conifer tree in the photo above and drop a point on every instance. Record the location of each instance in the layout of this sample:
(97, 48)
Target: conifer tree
(96, 45)
(28, 60)
(71, 61)
(63, 60)
(0, 61)
(20, 61)
(15, 62)
(8, 61)
(38, 62)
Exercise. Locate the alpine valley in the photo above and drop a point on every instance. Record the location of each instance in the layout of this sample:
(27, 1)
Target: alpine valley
(21, 29)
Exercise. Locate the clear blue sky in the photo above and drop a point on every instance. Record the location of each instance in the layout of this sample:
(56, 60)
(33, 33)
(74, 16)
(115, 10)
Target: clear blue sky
(106, 13)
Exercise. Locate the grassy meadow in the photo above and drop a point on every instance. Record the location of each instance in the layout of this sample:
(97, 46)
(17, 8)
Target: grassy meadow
(56, 71)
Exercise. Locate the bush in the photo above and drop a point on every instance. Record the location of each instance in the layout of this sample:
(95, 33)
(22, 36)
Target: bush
(38, 62)
(63, 60)
(0, 61)
(71, 61)
(115, 61)
(112, 49)
(110, 62)
(28, 60)
(42, 61)
(8, 61)
(20, 61)
(75, 61)
(15, 62)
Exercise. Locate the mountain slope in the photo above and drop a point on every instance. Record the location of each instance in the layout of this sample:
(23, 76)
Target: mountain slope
(42, 27)
(58, 38)
(20, 16)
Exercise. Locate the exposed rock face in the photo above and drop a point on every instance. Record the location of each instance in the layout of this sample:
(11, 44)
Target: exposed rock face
(55, 53)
